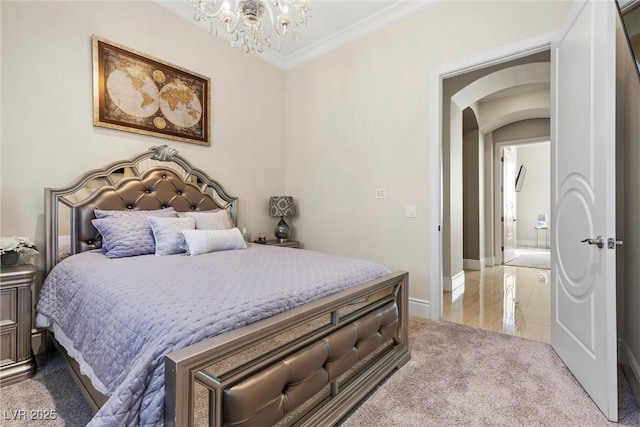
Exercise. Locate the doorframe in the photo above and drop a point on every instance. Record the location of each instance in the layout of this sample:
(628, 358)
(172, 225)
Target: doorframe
(502, 211)
(498, 182)
(516, 50)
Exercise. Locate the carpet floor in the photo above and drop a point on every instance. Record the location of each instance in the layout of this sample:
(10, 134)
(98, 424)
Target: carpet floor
(531, 258)
(462, 376)
(457, 375)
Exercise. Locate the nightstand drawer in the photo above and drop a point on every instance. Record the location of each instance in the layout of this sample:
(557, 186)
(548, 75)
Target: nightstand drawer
(16, 358)
(8, 345)
(8, 306)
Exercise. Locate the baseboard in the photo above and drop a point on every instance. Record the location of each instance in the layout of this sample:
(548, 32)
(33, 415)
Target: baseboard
(451, 283)
(419, 308)
(631, 369)
(477, 264)
(472, 264)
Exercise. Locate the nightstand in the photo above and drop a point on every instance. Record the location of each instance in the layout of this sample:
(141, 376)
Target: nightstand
(286, 243)
(16, 358)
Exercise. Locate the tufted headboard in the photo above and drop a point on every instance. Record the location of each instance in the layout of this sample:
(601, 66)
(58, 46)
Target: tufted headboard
(156, 179)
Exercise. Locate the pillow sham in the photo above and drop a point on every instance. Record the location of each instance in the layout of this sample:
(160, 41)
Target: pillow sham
(166, 233)
(219, 220)
(102, 213)
(128, 235)
(125, 236)
(204, 241)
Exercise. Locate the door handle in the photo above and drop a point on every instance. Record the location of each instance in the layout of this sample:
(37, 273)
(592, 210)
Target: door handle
(598, 241)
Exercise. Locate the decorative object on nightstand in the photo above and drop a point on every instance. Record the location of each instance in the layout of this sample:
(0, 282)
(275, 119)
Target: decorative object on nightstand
(12, 247)
(246, 235)
(281, 206)
(16, 358)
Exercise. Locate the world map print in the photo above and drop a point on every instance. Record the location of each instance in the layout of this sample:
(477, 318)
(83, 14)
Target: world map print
(151, 97)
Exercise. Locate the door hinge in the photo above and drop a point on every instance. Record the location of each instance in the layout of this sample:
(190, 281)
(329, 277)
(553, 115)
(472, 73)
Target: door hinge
(502, 218)
(502, 159)
(438, 228)
(502, 248)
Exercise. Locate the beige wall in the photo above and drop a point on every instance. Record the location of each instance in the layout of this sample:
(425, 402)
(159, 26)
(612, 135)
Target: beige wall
(471, 195)
(47, 134)
(357, 119)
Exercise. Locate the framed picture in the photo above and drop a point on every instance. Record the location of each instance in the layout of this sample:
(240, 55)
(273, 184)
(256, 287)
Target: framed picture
(138, 93)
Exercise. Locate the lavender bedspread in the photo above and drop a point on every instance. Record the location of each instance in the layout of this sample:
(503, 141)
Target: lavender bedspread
(119, 317)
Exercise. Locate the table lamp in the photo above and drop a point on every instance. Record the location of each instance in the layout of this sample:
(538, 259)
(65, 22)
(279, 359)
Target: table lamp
(281, 206)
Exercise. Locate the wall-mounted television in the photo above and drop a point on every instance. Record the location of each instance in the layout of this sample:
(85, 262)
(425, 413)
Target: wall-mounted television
(520, 178)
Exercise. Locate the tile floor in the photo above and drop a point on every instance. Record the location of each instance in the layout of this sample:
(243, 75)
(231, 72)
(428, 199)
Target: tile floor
(510, 300)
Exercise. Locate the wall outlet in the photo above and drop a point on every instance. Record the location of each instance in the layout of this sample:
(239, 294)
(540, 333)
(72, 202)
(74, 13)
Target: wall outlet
(410, 212)
(380, 193)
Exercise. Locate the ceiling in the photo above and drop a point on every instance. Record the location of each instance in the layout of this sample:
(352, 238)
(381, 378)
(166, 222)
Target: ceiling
(333, 23)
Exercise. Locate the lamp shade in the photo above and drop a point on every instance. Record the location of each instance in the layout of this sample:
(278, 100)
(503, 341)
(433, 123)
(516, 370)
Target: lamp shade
(281, 206)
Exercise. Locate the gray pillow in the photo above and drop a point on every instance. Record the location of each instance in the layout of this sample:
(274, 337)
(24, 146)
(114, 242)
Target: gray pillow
(128, 235)
(101, 213)
(166, 232)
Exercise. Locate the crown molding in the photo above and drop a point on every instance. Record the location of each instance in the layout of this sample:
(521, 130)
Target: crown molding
(353, 32)
(359, 29)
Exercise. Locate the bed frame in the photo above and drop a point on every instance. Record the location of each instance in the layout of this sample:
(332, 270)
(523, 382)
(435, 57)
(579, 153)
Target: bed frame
(307, 366)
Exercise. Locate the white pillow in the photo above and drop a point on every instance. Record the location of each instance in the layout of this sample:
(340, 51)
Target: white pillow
(204, 241)
(220, 220)
(166, 232)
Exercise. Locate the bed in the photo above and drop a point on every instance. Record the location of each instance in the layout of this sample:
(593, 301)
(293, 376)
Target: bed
(253, 337)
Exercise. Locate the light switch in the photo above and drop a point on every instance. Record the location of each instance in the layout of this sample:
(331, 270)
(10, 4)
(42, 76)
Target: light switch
(410, 212)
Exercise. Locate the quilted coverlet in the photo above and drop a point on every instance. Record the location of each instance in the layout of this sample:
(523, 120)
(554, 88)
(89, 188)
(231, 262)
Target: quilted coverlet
(119, 317)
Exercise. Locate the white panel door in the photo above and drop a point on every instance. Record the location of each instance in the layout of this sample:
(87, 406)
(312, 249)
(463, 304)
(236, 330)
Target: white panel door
(508, 205)
(583, 275)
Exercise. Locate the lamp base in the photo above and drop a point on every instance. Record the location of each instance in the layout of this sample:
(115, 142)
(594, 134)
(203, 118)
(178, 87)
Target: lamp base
(281, 231)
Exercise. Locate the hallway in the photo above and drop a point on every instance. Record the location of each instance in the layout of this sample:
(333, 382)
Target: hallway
(505, 299)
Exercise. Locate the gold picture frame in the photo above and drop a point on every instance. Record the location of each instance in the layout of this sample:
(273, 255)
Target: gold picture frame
(137, 93)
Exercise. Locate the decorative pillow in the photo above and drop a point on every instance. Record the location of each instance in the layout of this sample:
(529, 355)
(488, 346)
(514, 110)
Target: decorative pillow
(219, 220)
(101, 213)
(166, 232)
(124, 236)
(204, 241)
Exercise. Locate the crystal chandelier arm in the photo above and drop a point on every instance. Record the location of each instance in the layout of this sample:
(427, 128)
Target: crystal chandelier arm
(205, 9)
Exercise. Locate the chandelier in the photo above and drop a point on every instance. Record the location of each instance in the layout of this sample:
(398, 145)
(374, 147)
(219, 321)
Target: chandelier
(252, 23)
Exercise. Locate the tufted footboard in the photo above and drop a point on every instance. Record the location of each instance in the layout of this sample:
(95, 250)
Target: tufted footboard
(308, 366)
